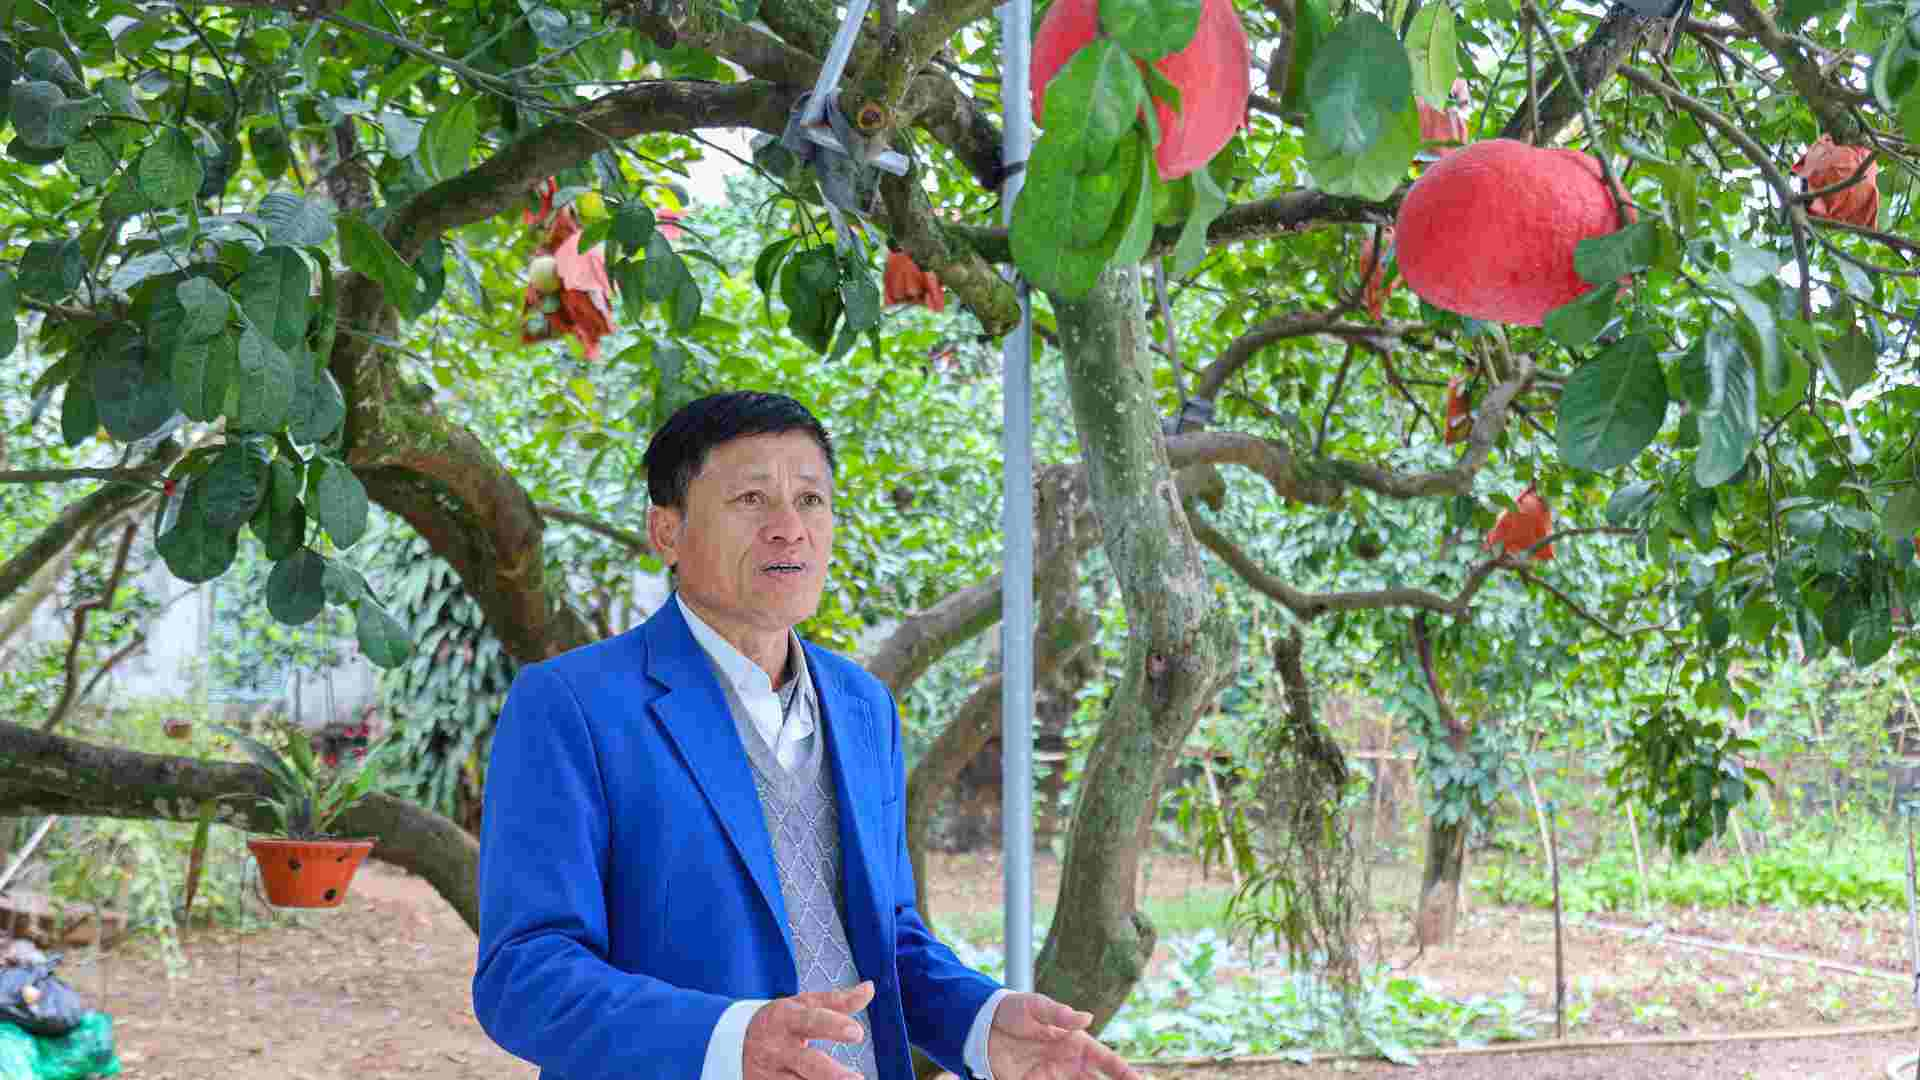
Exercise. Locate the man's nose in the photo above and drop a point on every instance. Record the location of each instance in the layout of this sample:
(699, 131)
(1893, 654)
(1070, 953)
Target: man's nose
(784, 523)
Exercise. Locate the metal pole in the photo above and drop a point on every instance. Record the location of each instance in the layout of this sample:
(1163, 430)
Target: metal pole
(1016, 618)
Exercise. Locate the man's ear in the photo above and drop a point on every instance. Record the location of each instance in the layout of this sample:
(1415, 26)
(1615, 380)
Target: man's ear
(663, 532)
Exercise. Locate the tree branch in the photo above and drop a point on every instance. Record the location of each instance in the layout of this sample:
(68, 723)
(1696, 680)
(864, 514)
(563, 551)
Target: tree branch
(141, 475)
(1595, 61)
(94, 508)
(1828, 102)
(1307, 606)
(50, 774)
(627, 538)
(911, 223)
(1424, 649)
(1244, 348)
(80, 612)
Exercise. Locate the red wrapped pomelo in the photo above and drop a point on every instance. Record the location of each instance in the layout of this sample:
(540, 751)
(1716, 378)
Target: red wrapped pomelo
(1489, 230)
(1213, 74)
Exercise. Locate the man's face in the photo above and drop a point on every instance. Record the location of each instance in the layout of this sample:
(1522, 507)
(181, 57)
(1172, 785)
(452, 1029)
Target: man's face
(754, 540)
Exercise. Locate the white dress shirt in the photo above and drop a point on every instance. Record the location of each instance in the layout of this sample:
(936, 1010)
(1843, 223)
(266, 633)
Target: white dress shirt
(786, 732)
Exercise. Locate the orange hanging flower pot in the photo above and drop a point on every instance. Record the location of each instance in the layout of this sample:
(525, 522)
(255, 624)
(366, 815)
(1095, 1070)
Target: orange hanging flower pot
(307, 873)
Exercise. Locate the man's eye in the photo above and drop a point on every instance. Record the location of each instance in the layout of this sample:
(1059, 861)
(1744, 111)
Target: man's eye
(813, 500)
(753, 498)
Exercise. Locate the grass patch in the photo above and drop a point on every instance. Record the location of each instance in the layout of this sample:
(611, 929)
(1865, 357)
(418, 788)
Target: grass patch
(1203, 908)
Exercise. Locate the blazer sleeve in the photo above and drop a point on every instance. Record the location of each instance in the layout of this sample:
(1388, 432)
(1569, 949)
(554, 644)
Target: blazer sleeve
(542, 987)
(941, 995)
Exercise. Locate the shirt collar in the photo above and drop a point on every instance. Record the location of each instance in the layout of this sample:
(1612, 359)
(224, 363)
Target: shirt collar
(747, 677)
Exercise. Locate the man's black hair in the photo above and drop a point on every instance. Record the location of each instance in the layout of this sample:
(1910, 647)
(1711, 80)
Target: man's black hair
(680, 448)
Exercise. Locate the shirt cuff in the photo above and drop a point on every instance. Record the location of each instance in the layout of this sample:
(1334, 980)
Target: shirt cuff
(727, 1046)
(974, 1055)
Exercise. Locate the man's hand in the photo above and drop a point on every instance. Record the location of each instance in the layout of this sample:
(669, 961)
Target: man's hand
(1036, 1038)
(776, 1044)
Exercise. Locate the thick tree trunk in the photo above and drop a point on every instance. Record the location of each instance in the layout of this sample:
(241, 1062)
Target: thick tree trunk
(1438, 914)
(50, 774)
(1099, 942)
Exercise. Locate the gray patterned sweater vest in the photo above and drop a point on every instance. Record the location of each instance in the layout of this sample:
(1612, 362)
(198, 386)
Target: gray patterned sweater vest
(803, 820)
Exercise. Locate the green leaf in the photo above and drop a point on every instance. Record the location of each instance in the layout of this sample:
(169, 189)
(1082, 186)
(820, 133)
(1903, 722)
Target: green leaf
(193, 551)
(632, 227)
(1730, 416)
(134, 397)
(1851, 360)
(37, 116)
(1871, 637)
(203, 375)
(206, 307)
(1376, 172)
(1054, 194)
(280, 524)
(1150, 29)
(446, 146)
(50, 269)
(1208, 203)
(169, 171)
(810, 287)
(274, 293)
(232, 488)
(1613, 406)
(272, 151)
(1603, 260)
(79, 412)
(1901, 518)
(9, 322)
(1578, 321)
(1629, 502)
(318, 406)
(382, 639)
(859, 298)
(1433, 53)
(295, 590)
(341, 502)
(672, 388)
(90, 160)
(1312, 26)
(1360, 81)
(263, 390)
(295, 221)
(1764, 334)
(366, 250)
(1092, 104)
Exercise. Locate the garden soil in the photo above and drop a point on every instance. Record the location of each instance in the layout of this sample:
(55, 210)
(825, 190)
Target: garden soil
(380, 988)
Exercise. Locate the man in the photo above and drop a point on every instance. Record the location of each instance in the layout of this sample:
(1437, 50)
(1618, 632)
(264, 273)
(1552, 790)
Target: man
(692, 858)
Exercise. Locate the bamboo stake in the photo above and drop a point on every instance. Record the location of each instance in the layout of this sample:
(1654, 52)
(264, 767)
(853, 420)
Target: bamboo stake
(1540, 819)
(1220, 807)
(1559, 944)
(1633, 831)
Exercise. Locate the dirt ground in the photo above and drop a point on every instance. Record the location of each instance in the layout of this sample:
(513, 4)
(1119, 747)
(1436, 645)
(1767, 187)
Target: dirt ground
(379, 988)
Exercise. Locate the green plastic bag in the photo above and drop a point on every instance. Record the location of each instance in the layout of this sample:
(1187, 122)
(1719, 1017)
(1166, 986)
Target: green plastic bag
(80, 1054)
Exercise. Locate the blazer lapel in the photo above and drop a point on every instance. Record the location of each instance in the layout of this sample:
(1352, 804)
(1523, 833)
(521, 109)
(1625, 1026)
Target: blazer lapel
(855, 752)
(695, 716)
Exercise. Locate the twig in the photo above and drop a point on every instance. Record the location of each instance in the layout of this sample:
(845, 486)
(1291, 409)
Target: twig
(99, 603)
(1172, 339)
(138, 475)
(626, 537)
(1339, 383)
(1614, 187)
(1796, 214)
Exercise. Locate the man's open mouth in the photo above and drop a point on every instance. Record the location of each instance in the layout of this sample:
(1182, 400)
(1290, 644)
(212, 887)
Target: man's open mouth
(784, 568)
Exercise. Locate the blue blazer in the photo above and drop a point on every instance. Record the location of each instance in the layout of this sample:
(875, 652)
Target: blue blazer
(628, 892)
